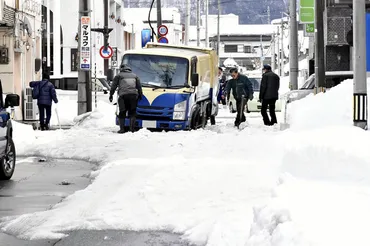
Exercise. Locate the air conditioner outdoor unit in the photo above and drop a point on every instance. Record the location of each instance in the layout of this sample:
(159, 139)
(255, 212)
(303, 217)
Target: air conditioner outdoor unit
(31, 111)
(342, 2)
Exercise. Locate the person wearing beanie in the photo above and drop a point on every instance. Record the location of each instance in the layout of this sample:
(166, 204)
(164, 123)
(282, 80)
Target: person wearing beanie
(269, 94)
(129, 93)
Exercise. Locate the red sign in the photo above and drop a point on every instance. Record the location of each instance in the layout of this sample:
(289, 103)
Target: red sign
(162, 30)
(106, 54)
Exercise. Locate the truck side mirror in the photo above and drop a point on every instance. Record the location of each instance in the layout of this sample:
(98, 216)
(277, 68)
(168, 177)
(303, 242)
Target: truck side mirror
(110, 75)
(195, 79)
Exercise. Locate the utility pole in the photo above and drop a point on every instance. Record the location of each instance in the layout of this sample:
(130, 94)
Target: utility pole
(105, 31)
(278, 50)
(282, 46)
(319, 47)
(84, 76)
(159, 13)
(48, 46)
(106, 62)
(360, 111)
(187, 22)
(268, 15)
(293, 46)
(273, 52)
(218, 28)
(207, 37)
(261, 56)
(198, 23)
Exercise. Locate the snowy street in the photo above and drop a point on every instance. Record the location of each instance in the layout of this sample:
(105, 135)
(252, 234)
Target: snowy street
(217, 186)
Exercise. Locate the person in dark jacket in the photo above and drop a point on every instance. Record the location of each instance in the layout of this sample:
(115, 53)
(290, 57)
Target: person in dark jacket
(129, 92)
(242, 90)
(44, 101)
(269, 93)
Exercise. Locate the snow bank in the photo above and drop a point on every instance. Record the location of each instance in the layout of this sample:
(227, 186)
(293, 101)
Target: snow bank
(101, 118)
(322, 197)
(23, 136)
(333, 108)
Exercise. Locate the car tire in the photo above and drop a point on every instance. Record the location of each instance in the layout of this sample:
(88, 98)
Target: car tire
(195, 119)
(7, 163)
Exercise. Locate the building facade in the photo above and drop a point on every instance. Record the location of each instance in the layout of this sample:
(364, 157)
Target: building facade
(137, 21)
(60, 53)
(248, 45)
(20, 49)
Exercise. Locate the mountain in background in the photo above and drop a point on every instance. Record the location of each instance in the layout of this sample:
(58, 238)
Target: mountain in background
(249, 11)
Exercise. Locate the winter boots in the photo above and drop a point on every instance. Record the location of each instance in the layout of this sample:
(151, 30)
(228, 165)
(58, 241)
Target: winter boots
(121, 126)
(132, 124)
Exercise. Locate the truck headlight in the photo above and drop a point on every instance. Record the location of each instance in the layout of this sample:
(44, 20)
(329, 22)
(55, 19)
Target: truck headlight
(179, 111)
(181, 106)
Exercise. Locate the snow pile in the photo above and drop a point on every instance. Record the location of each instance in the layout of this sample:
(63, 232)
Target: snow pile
(101, 118)
(23, 136)
(333, 108)
(323, 196)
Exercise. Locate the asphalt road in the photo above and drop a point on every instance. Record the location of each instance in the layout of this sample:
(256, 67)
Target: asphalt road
(39, 185)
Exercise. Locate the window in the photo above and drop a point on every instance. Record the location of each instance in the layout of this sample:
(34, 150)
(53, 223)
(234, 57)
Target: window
(74, 61)
(247, 49)
(159, 71)
(231, 48)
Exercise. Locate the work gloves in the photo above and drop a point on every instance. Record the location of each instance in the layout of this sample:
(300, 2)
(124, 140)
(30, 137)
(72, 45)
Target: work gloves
(111, 98)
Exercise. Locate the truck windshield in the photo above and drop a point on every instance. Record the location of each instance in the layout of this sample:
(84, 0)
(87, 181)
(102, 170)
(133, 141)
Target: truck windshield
(159, 71)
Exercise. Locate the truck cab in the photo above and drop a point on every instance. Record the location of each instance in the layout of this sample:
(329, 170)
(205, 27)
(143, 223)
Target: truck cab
(180, 86)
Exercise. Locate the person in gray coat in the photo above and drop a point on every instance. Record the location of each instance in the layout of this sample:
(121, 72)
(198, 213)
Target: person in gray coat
(129, 93)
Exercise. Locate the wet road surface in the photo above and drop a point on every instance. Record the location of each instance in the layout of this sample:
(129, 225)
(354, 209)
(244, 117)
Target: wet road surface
(38, 184)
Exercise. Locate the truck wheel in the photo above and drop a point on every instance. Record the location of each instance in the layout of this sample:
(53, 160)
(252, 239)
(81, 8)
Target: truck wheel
(213, 120)
(195, 119)
(7, 163)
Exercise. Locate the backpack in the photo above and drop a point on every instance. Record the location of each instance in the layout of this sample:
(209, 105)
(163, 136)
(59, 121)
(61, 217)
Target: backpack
(36, 91)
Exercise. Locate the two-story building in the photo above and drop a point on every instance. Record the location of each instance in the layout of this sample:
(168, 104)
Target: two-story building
(20, 48)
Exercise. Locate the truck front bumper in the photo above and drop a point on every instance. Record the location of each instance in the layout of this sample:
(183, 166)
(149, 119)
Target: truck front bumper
(158, 124)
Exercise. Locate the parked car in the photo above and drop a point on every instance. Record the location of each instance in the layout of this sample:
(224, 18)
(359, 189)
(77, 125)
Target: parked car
(7, 147)
(332, 78)
(254, 105)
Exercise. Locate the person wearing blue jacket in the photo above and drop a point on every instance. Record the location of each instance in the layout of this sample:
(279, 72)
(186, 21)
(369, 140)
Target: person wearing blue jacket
(222, 83)
(44, 101)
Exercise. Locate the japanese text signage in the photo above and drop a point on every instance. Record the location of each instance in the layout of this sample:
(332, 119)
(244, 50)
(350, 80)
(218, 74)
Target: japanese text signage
(307, 11)
(85, 52)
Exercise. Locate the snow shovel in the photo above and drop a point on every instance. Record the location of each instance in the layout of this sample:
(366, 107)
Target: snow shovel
(56, 112)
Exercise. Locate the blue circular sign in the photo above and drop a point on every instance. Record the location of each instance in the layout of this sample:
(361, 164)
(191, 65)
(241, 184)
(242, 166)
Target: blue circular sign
(163, 40)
